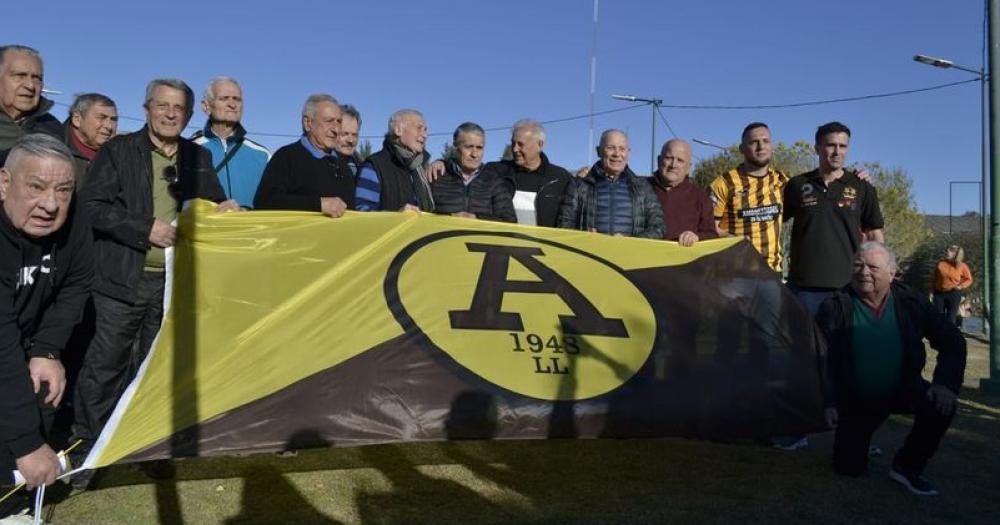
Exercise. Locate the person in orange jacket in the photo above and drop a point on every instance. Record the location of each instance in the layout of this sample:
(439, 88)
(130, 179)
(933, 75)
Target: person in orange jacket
(951, 278)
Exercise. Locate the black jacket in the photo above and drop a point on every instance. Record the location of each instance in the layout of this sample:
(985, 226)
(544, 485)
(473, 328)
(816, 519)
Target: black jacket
(580, 204)
(487, 196)
(548, 181)
(917, 320)
(38, 121)
(44, 284)
(118, 200)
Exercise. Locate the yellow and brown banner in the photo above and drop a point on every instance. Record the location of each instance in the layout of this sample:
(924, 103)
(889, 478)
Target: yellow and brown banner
(290, 330)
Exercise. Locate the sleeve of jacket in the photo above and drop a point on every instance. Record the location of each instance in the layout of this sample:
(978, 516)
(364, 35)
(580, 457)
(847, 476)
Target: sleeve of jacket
(19, 419)
(655, 225)
(831, 329)
(949, 343)
(274, 193)
(503, 201)
(65, 312)
(568, 208)
(966, 276)
(101, 202)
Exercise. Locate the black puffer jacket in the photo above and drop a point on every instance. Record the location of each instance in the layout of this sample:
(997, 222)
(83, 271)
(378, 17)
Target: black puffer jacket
(917, 320)
(487, 196)
(118, 199)
(580, 205)
(44, 284)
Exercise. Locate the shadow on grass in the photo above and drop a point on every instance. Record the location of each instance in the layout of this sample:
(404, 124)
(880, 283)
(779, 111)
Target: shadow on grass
(415, 497)
(269, 498)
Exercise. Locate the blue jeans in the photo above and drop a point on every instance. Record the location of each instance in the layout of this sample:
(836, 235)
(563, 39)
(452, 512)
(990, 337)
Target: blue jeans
(811, 298)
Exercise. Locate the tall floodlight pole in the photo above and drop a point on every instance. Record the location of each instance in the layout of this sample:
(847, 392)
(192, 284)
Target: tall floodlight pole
(944, 63)
(993, 381)
(654, 104)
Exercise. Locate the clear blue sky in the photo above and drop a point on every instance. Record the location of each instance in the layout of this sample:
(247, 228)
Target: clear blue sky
(495, 62)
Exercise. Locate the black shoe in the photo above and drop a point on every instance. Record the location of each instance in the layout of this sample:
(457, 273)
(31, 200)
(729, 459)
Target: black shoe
(916, 484)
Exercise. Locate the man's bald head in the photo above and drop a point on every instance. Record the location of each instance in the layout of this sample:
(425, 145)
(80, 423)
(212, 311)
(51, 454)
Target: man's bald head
(675, 162)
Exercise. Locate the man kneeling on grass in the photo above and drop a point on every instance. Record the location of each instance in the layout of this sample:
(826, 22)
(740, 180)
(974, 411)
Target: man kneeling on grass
(875, 330)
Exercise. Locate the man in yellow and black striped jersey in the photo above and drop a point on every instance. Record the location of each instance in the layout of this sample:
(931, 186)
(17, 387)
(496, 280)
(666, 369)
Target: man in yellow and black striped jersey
(748, 199)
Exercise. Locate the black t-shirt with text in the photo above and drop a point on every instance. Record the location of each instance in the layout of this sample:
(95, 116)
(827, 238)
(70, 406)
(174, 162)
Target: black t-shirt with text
(828, 226)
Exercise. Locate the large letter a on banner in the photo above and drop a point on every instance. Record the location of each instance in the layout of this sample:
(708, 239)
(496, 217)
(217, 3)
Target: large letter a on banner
(485, 313)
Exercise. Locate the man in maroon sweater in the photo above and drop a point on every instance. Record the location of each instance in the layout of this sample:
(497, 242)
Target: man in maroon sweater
(687, 209)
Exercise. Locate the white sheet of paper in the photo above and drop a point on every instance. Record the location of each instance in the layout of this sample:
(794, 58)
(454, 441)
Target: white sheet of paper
(524, 207)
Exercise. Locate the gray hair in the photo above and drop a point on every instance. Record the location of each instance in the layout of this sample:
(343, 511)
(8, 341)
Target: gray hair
(875, 245)
(536, 128)
(467, 127)
(37, 145)
(399, 116)
(608, 132)
(309, 108)
(173, 83)
(83, 102)
(348, 110)
(209, 94)
(23, 49)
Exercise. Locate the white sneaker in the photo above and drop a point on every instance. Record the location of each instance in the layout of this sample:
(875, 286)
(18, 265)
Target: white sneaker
(22, 518)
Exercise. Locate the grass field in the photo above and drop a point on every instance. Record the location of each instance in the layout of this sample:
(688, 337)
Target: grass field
(563, 481)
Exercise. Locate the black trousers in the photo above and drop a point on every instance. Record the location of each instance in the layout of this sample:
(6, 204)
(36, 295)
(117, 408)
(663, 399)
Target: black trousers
(947, 303)
(859, 420)
(123, 334)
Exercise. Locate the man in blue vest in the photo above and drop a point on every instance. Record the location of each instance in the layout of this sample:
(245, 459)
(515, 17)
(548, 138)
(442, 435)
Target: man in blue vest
(238, 160)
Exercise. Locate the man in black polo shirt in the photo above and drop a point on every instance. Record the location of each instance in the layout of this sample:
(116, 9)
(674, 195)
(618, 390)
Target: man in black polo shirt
(308, 174)
(834, 212)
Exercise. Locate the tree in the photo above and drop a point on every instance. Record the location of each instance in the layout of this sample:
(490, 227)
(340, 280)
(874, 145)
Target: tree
(446, 150)
(508, 153)
(905, 228)
(365, 150)
(791, 160)
(918, 269)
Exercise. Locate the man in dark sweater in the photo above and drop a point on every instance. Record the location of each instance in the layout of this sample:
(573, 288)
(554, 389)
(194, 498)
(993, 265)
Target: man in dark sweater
(465, 190)
(23, 109)
(309, 174)
(687, 209)
(394, 179)
(46, 267)
(875, 331)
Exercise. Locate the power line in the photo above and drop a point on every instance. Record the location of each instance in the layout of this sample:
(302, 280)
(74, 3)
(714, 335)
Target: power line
(609, 111)
(665, 123)
(828, 101)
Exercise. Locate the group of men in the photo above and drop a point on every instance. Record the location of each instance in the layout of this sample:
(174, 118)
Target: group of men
(108, 202)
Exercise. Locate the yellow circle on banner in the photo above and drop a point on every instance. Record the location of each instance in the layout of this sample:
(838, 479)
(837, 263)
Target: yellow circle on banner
(537, 318)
